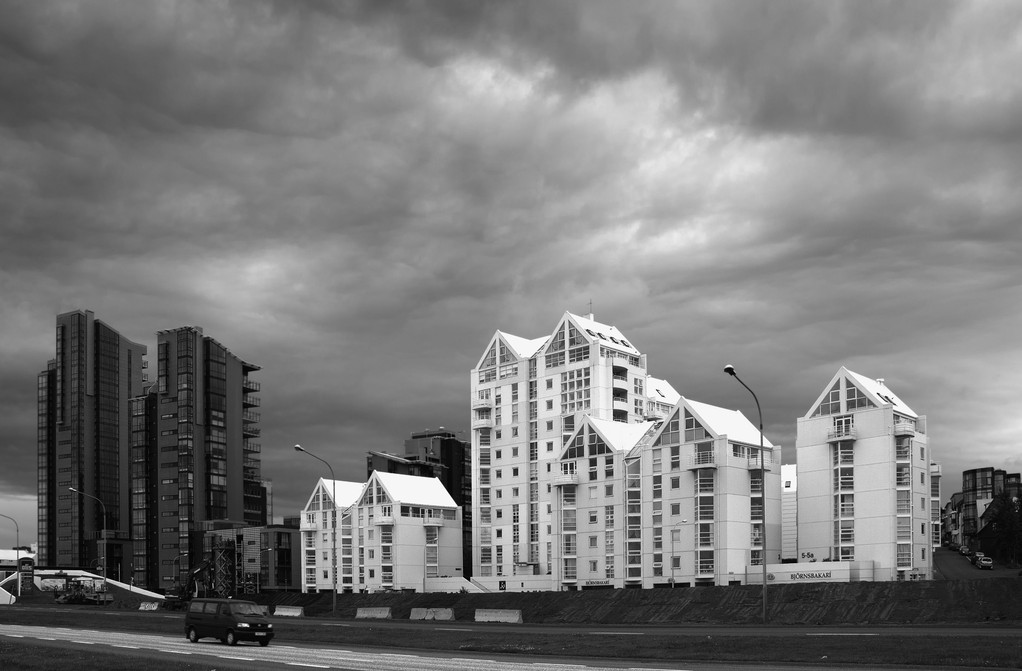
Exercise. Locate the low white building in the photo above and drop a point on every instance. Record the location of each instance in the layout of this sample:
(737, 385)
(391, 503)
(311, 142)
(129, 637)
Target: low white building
(394, 532)
(408, 530)
(328, 508)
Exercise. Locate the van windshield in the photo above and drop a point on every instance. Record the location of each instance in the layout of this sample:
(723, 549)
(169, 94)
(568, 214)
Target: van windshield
(246, 609)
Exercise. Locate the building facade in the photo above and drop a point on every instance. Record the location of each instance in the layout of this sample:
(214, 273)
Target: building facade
(674, 502)
(588, 472)
(980, 486)
(527, 396)
(393, 532)
(441, 454)
(864, 480)
(83, 428)
(195, 455)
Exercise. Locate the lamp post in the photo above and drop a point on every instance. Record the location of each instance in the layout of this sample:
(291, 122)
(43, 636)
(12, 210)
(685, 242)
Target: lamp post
(103, 506)
(177, 574)
(333, 527)
(675, 560)
(730, 370)
(17, 549)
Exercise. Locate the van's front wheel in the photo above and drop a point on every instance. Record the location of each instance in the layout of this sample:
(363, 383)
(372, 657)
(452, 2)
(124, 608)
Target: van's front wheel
(193, 635)
(231, 639)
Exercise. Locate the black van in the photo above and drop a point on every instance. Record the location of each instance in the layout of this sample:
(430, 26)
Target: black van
(230, 620)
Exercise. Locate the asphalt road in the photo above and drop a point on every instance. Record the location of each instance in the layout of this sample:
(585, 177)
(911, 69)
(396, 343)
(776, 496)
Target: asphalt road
(255, 658)
(950, 565)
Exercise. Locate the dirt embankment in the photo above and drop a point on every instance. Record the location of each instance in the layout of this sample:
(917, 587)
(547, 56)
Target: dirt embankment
(965, 601)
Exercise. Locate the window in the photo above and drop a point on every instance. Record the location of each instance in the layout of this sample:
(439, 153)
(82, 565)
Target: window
(550, 383)
(608, 490)
(592, 491)
(675, 509)
(592, 518)
(549, 446)
(675, 482)
(514, 472)
(594, 541)
(549, 405)
(549, 426)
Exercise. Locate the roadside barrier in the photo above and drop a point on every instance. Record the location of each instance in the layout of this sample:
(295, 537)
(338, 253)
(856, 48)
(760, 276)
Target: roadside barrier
(432, 614)
(373, 614)
(289, 611)
(494, 615)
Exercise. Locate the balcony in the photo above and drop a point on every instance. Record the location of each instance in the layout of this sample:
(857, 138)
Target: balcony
(904, 428)
(250, 385)
(562, 479)
(842, 433)
(250, 401)
(482, 422)
(702, 460)
(383, 520)
(478, 403)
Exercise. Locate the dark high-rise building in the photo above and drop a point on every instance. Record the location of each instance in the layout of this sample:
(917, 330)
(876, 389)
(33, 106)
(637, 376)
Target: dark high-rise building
(197, 459)
(83, 430)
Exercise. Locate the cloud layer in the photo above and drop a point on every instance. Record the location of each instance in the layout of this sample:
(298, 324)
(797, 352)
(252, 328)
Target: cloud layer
(355, 196)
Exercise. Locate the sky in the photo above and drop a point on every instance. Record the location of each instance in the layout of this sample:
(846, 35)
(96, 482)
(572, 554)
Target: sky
(356, 196)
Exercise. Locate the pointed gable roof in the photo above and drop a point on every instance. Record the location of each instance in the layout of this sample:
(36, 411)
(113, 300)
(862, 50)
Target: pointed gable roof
(523, 347)
(876, 391)
(413, 489)
(604, 333)
(620, 435)
(880, 392)
(723, 422)
(661, 391)
(346, 492)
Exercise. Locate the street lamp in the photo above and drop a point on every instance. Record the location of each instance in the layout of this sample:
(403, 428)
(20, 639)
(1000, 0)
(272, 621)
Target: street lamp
(730, 370)
(177, 575)
(674, 553)
(333, 527)
(17, 549)
(103, 505)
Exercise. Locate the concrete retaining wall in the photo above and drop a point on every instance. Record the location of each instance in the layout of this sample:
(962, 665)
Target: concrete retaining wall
(493, 615)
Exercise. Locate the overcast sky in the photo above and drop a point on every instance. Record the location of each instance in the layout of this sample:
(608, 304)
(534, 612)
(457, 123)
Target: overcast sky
(356, 196)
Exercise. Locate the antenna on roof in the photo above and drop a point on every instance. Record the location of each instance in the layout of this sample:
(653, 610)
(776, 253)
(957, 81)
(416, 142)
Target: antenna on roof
(590, 315)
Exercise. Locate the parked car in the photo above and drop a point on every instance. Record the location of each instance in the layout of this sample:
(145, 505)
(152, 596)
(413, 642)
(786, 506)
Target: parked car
(230, 620)
(964, 550)
(985, 562)
(976, 556)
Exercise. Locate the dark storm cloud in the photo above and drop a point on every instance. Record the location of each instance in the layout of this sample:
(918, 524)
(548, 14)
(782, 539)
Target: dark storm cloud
(356, 195)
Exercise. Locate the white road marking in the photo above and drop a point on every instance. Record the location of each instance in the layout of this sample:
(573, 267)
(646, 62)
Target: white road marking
(617, 633)
(842, 634)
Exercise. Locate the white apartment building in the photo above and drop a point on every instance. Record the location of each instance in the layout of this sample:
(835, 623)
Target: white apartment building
(670, 491)
(526, 396)
(666, 502)
(330, 500)
(394, 532)
(864, 480)
(409, 530)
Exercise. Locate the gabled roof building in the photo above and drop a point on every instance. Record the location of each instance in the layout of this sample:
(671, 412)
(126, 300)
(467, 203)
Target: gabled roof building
(864, 480)
(589, 472)
(394, 532)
